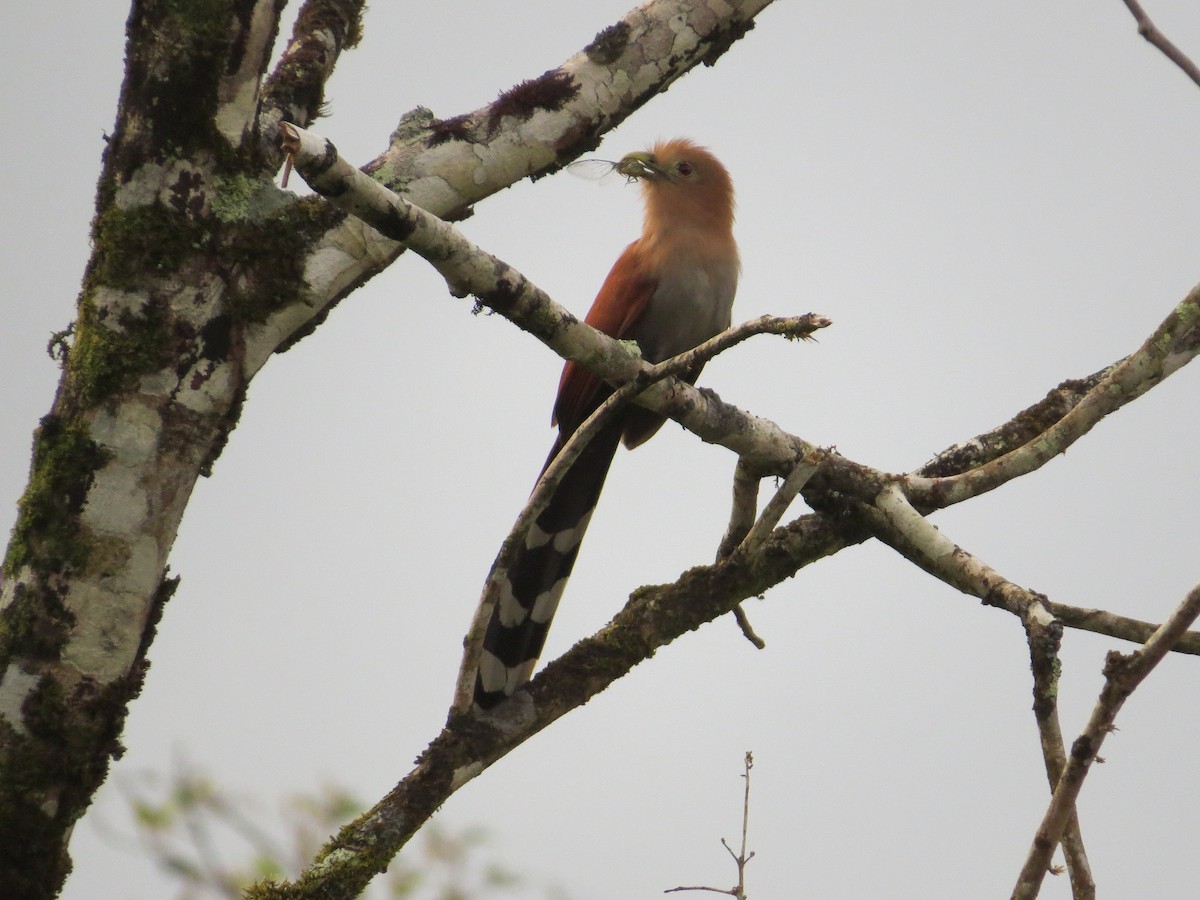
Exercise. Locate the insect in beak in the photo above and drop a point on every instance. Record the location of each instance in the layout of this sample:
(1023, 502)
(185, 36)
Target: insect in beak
(639, 165)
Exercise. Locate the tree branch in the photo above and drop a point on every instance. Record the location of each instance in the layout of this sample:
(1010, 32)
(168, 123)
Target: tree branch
(1122, 675)
(446, 165)
(295, 91)
(470, 270)
(653, 617)
(1150, 32)
(802, 470)
(1044, 635)
(904, 529)
(740, 859)
(741, 520)
(898, 524)
(743, 510)
(1171, 346)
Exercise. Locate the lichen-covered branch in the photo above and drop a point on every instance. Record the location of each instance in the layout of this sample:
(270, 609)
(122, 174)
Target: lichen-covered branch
(296, 89)
(149, 383)
(498, 286)
(1044, 634)
(1173, 344)
(447, 164)
(1122, 675)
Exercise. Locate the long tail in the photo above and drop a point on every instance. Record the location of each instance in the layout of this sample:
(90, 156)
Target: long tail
(536, 579)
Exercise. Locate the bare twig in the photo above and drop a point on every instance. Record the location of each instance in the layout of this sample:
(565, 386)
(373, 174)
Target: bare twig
(741, 520)
(744, 509)
(803, 469)
(744, 533)
(741, 858)
(1150, 32)
(899, 525)
(743, 622)
(1101, 621)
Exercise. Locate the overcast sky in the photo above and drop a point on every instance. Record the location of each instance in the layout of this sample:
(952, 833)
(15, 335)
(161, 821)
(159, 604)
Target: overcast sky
(985, 198)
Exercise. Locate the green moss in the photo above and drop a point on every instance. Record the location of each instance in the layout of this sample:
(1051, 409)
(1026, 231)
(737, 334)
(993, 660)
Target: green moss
(28, 855)
(35, 624)
(231, 197)
(242, 197)
(178, 79)
(269, 255)
(45, 710)
(47, 531)
(200, 20)
(106, 556)
(147, 239)
(105, 361)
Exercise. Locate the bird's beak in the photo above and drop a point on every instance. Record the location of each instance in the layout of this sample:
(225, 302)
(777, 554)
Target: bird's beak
(639, 165)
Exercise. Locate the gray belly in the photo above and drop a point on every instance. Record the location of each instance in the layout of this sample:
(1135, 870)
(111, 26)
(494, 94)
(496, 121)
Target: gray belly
(695, 304)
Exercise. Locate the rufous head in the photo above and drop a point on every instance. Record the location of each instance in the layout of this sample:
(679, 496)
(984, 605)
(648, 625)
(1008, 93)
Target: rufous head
(681, 178)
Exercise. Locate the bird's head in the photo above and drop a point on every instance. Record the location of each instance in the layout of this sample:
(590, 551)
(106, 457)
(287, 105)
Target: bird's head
(679, 174)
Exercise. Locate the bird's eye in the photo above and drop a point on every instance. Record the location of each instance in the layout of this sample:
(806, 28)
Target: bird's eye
(684, 169)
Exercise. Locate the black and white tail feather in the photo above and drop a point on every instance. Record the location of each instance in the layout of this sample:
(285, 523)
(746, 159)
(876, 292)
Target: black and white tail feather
(538, 573)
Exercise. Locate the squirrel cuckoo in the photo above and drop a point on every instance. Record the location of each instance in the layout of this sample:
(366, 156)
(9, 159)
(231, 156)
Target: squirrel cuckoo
(670, 290)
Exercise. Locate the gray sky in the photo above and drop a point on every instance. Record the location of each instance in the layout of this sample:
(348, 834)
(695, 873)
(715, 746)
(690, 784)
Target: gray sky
(985, 198)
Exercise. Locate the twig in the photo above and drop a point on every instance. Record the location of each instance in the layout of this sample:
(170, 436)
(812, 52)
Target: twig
(744, 533)
(1044, 634)
(743, 622)
(741, 520)
(1150, 32)
(803, 469)
(899, 525)
(1122, 675)
(745, 507)
(1124, 628)
(745, 494)
(741, 858)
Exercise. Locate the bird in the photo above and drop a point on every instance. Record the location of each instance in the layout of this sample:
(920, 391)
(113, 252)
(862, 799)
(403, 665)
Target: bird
(670, 290)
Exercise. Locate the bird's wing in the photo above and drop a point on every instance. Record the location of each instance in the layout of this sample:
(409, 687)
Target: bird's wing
(616, 309)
